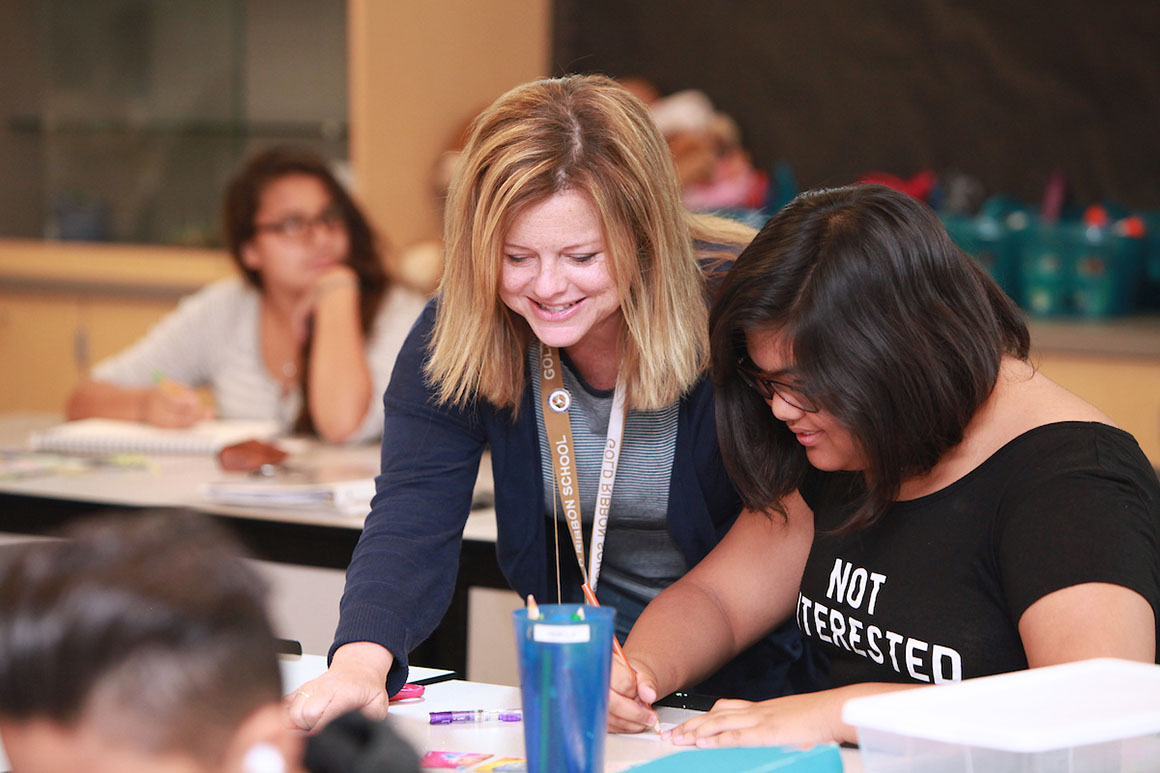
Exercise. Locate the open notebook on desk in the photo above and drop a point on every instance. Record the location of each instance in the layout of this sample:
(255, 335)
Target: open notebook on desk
(110, 436)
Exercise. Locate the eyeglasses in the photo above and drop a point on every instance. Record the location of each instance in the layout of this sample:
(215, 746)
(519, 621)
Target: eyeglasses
(298, 227)
(768, 387)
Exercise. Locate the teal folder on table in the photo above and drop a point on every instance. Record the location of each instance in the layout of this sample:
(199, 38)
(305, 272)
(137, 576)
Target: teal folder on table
(749, 759)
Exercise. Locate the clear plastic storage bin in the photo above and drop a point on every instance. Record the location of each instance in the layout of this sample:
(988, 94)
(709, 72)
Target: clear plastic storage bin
(1095, 716)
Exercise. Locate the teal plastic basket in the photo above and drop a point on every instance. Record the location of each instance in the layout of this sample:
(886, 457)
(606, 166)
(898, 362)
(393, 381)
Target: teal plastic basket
(1072, 269)
(994, 244)
(1149, 298)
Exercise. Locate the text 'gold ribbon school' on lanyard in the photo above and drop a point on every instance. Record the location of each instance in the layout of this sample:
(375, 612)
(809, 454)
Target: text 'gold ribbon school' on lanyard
(556, 402)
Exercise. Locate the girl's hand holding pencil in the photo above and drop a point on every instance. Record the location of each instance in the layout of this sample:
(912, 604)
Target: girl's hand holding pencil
(639, 689)
(170, 404)
(633, 691)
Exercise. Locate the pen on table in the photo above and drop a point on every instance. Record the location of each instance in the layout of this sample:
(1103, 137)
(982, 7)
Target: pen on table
(475, 715)
(590, 597)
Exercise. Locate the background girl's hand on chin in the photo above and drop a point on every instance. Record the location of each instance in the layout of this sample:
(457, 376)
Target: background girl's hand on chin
(340, 277)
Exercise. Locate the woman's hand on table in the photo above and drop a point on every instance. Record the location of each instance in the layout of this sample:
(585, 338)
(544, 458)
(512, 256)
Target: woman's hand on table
(356, 679)
(809, 718)
(630, 699)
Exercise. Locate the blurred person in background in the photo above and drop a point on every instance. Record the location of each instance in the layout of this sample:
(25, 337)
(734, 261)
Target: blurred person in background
(307, 335)
(141, 644)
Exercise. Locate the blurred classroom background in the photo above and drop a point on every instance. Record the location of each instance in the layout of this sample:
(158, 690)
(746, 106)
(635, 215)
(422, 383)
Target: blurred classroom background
(1033, 131)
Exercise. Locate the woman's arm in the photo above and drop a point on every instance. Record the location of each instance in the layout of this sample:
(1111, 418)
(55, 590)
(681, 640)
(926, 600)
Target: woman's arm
(340, 383)
(745, 586)
(1084, 621)
(1091, 620)
(402, 573)
(165, 405)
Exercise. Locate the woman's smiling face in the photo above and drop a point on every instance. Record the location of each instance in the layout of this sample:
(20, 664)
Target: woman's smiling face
(556, 273)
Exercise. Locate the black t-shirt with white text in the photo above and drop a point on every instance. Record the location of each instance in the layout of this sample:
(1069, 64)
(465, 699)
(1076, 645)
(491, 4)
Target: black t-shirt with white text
(933, 592)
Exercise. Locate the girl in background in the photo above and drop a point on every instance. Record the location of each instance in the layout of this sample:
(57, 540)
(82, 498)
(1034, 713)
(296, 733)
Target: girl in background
(307, 335)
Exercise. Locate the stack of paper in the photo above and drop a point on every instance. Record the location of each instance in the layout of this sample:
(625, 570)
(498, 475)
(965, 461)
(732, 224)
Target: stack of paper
(351, 496)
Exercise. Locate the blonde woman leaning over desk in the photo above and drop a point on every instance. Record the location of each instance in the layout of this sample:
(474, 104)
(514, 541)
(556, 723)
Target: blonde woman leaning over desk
(573, 275)
(306, 336)
(959, 514)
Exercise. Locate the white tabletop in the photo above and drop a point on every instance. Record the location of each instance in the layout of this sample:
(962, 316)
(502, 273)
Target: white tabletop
(506, 738)
(500, 739)
(179, 481)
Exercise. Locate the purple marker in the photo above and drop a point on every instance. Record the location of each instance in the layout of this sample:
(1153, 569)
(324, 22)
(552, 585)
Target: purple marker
(475, 715)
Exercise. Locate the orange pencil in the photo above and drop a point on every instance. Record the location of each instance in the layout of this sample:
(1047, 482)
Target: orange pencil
(590, 597)
(170, 388)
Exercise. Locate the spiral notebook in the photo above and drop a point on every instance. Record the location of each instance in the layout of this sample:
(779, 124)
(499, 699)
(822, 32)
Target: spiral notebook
(110, 436)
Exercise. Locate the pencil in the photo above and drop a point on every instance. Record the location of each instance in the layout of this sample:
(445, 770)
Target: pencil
(590, 597)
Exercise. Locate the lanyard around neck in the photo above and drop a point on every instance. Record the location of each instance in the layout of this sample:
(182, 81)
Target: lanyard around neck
(556, 401)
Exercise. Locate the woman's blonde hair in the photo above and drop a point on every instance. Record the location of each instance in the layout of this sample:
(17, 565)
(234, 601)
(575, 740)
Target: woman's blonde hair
(586, 134)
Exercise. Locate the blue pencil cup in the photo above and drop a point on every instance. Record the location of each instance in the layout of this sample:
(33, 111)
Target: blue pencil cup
(565, 661)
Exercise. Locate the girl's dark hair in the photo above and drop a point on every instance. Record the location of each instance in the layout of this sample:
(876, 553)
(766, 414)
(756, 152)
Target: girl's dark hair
(243, 197)
(893, 330)
(149, 626)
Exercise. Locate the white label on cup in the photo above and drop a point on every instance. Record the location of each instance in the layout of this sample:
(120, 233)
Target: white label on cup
(560, 634)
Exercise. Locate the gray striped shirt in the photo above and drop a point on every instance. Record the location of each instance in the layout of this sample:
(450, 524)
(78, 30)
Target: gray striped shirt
(640, 556)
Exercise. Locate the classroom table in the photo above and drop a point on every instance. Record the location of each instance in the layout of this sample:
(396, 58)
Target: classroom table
(316, 536)
(411, 719)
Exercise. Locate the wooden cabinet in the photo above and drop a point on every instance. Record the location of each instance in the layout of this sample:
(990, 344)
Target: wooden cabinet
(418, 72)
(63, 307)
(47, 339)
(1128, 390)
(1114, 364)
